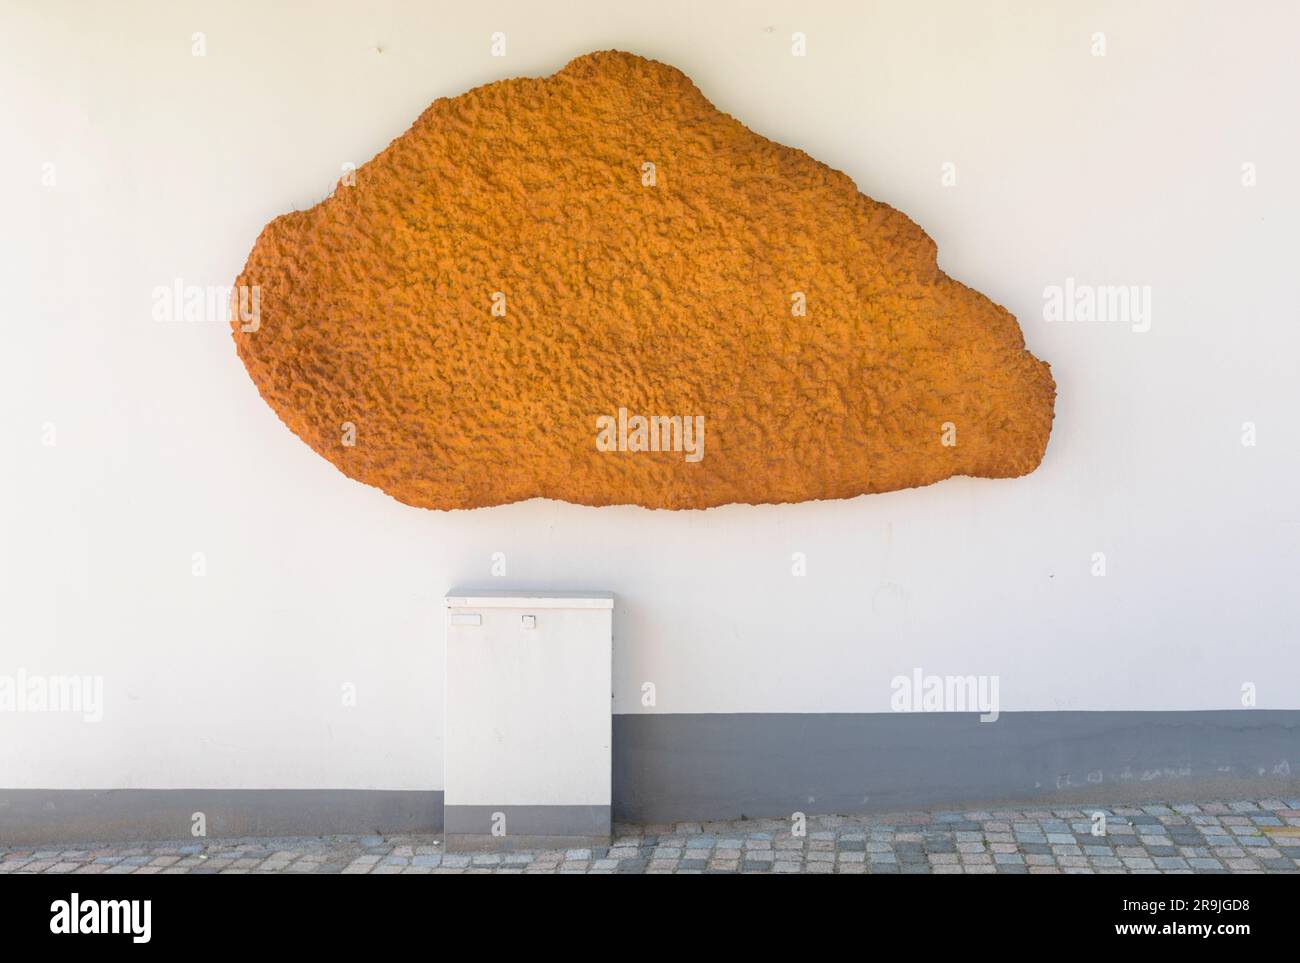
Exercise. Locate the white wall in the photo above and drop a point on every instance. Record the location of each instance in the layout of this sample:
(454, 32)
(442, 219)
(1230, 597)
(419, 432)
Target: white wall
(1117, 170)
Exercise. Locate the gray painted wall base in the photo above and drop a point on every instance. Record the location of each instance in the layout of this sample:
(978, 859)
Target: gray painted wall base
(526, 827)
(478, 843)
(79, 815)
(669, 768)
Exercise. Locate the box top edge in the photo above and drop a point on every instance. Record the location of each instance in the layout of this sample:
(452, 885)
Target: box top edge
(516, 598)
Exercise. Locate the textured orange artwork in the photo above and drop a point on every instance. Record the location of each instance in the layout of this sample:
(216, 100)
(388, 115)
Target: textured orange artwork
(596, 287)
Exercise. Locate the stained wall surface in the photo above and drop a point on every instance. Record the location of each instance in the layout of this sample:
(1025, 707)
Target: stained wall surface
(1125, 169)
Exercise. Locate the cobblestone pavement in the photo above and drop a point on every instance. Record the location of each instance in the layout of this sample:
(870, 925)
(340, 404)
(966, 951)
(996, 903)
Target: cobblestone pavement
(1206, 837)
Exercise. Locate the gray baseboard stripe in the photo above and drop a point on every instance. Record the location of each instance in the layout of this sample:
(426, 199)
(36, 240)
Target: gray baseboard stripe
(526, 827)
(76, 815)
(529, 820)
(671, 768)
(697, 767)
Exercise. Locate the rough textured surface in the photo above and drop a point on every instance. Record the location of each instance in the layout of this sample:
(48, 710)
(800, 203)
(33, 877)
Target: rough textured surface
(671, 298)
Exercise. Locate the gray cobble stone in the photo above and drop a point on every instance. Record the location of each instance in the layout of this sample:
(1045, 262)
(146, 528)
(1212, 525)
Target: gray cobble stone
(1214, 836)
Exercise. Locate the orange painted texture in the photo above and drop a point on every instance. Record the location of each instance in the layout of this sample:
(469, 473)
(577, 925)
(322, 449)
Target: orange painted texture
(666, 299)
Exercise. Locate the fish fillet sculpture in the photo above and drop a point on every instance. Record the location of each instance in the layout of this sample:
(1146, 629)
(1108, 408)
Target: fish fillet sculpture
(597, 287)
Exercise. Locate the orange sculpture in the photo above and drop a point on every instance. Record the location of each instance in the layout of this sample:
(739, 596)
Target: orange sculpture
(596, 287)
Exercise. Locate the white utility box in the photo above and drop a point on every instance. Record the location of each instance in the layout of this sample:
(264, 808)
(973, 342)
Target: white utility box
(529, 716)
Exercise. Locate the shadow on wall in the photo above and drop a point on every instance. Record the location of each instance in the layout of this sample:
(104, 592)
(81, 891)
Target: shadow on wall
(671, 768)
